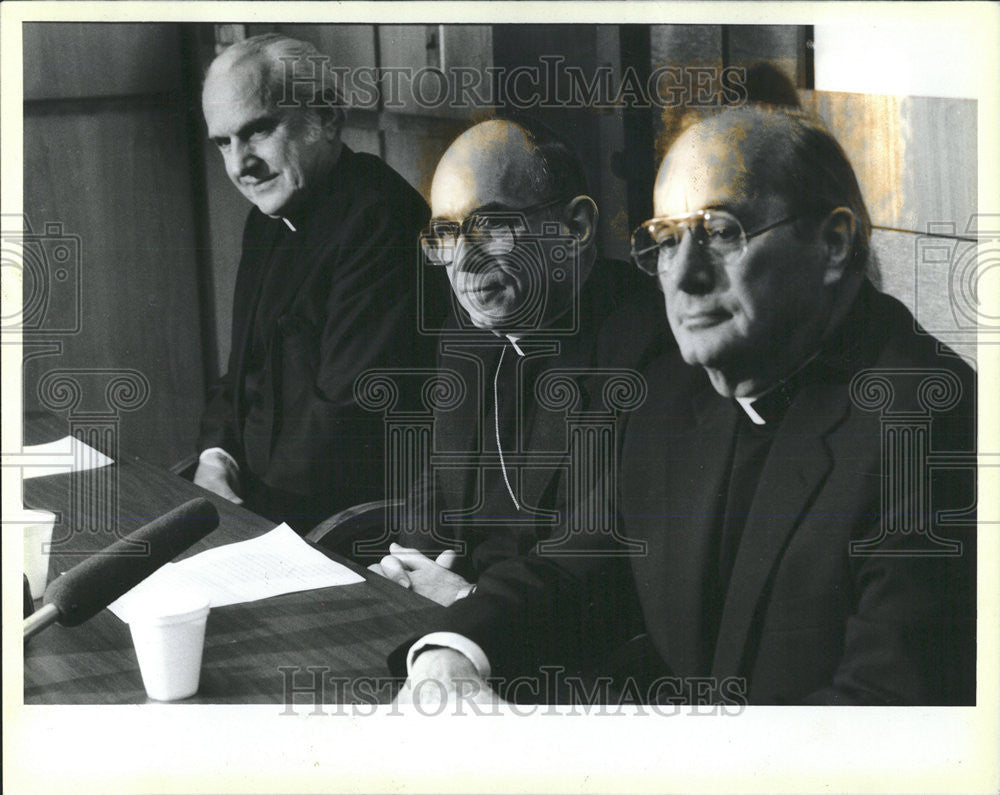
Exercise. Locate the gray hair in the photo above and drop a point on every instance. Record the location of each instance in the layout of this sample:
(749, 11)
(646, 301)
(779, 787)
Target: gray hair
(802, 162)
(292, 72)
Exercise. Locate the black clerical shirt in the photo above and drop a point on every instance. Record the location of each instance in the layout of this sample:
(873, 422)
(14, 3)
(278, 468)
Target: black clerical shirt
(758, 421)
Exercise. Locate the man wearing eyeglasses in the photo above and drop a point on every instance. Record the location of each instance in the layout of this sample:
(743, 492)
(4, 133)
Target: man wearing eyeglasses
(798, 550)
(515, 231)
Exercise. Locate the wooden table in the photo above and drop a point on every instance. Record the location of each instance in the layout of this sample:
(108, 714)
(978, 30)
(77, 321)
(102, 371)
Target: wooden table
(330, 644)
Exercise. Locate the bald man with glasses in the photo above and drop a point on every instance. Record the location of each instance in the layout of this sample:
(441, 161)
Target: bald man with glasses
(513, 228)
(797, 547)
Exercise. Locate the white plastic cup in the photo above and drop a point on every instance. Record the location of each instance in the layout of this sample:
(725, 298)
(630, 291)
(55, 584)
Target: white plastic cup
(37, 539)
(168, 631)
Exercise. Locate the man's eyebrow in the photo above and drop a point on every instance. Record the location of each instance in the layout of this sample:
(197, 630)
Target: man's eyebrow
(260, 124)
(489, 207)
(493, 207)
(715, 205)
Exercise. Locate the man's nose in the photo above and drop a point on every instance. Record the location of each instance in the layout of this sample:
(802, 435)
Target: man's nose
(474, 252)
(690, 270)
(241, 160)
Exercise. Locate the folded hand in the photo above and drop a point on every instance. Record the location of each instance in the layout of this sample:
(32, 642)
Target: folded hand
(431, 578)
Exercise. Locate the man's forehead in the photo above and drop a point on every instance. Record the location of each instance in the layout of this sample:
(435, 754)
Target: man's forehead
(493, 163)
(230, 84)
(709, 165)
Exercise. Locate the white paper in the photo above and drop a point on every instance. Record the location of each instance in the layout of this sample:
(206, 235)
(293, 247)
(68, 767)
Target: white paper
(275, 563)
(64, 455)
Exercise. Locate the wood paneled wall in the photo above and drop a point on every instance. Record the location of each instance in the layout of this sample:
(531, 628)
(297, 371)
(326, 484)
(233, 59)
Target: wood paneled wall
(915, 157)
(115, 152)
(106, 157)
(916, 160)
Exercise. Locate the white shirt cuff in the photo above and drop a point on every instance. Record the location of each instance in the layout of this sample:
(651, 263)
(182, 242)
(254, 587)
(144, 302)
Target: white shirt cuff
(218, 451)
(456, 642)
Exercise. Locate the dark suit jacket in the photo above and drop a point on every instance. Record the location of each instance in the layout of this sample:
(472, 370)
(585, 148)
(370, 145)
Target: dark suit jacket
(471, 507)
(806, 619)
(342, 299)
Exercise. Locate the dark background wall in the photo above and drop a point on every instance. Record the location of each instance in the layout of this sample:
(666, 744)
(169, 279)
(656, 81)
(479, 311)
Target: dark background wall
(115, 153)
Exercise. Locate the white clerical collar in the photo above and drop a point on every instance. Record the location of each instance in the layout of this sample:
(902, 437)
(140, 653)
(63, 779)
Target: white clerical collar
(513, 341)
(746, 403)
(289, 224)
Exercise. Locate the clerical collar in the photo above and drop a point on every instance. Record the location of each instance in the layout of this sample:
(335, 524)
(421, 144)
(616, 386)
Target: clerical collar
(771, 405)
(513, 341)
(746, 403)
(306, 205)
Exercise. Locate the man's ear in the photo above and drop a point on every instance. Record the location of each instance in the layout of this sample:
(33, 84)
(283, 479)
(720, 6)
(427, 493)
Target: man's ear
(837, 236)
(332, 120)
(580, 218)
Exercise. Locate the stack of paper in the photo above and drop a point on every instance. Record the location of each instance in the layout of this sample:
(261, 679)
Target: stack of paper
(275, 563)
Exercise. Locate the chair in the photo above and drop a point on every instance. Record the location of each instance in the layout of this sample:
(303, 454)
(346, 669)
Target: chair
(363, 522)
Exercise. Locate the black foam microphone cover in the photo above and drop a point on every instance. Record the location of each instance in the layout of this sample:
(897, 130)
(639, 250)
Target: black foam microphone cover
(92, 585)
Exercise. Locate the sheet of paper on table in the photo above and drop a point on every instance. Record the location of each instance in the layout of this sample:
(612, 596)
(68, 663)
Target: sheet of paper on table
(275, 563)
(64, 455)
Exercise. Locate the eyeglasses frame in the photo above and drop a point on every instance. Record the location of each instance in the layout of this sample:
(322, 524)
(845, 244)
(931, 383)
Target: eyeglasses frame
(520, 213)
(703, 213)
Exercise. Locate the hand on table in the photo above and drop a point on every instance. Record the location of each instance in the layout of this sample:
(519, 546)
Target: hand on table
(431, 578)
(216, 474)
(445, 676)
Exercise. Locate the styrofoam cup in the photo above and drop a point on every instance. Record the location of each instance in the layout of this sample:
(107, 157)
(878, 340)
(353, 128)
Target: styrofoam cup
(37, 539)
(168, 631)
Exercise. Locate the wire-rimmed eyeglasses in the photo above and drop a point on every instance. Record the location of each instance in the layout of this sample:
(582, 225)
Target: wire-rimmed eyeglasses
(498, 228)
(655, 242)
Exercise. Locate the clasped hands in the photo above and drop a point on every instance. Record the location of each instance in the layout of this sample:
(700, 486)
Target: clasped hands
(439, 676)
(430, 578)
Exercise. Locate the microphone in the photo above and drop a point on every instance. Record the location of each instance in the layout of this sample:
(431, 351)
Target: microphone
(92, 585)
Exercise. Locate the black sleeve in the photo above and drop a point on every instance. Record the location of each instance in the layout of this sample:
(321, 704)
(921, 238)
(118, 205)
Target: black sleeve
(218, 422)
(912, 637)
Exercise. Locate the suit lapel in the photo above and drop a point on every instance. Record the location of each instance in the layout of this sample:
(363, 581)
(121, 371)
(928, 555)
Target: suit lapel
(797, 464)
(249, 295)
(459, 430)
(694, 472)
(320, 233)
(544, 431)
